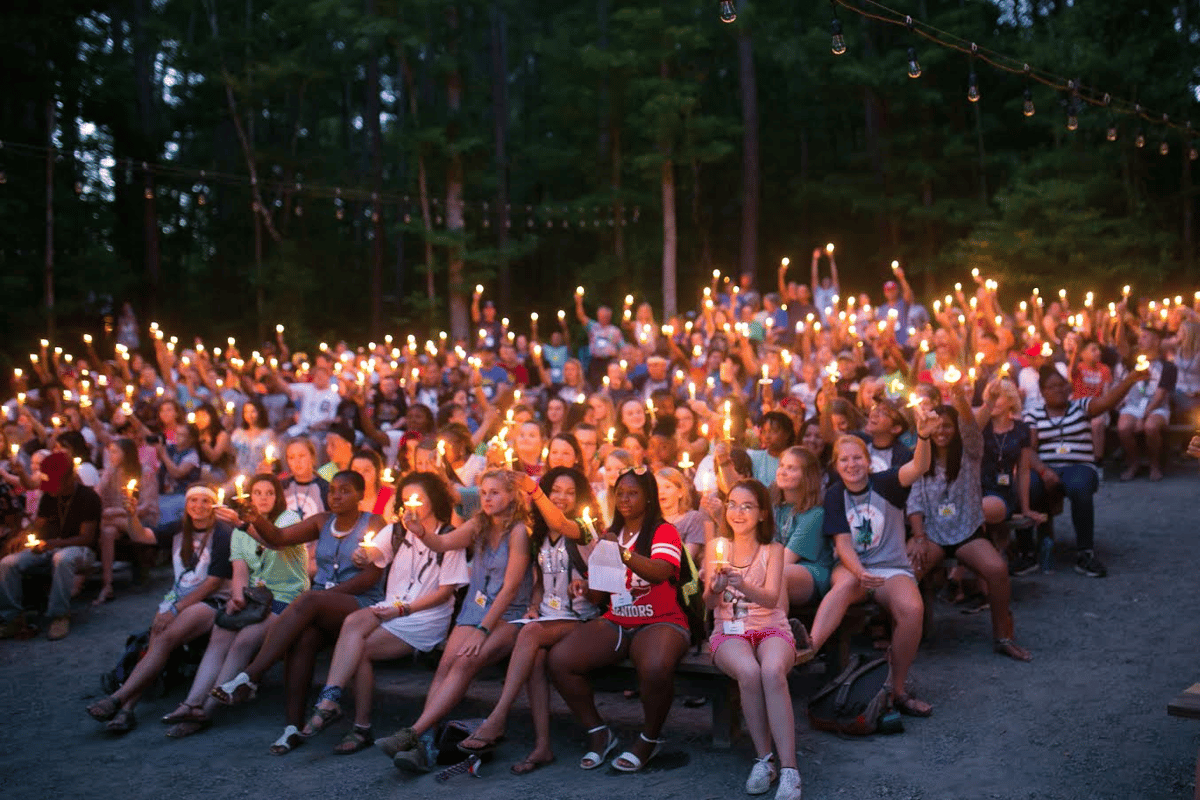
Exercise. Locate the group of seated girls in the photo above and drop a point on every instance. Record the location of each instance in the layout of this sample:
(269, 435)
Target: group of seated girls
(382, 590)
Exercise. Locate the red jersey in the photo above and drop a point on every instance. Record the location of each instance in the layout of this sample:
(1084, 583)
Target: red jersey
(645, 603)
(1090, 381)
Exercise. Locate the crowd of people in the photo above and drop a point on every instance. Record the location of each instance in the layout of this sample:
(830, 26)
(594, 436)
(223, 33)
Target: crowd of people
(763, 458)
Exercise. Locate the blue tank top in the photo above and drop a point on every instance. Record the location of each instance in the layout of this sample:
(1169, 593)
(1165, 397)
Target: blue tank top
(333, 559)
(487, 578)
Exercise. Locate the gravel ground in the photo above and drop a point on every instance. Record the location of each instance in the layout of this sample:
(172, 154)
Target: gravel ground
(1087, 718)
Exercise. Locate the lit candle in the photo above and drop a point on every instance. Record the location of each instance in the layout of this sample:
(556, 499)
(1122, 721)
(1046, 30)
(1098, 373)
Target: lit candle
(131, 487)
(704, 429)
(720, 552)
(895, 266)
(562, 315)
(413, 502)
(691, 390)
(586, 518)
(1143, 363)
(829, 248)
(686, 462)
(764, 380)
(191, 418)
(269, 454)
(13, 449)
(1047, 350)
(612, 435)
(914, 400)
(579, 291)
(650, 410)
(441, 450)
(238, 483)
(221, 496)
(32, 541)
(387, 475)
(87, 338)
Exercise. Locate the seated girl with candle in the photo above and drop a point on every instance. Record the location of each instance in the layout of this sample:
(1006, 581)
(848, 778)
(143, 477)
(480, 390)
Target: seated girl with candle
(864, 515)
(751, 640)
(200, 556)
(283, 571)
(413, 616)
(122, 475)
(645, 624)
(312, 621)
(498, 593)
(378, 493)
(799, 518)
(561, 532)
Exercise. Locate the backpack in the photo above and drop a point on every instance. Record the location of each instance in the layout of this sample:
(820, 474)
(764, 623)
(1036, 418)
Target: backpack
(180, 668)
(689, 594)
(856, 702)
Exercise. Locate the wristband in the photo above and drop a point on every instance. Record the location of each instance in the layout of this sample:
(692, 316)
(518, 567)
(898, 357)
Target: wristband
(174, 609)
(923, 438)
(483, 628)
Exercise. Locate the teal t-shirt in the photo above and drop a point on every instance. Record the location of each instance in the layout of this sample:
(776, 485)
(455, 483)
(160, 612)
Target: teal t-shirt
(283, 571)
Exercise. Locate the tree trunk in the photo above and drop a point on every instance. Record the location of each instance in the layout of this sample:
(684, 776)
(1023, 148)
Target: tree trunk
(670, 239)
(500, 138)
(422, 186)
(748, 262)
(375, 150)
(459, 322)
(143, 56)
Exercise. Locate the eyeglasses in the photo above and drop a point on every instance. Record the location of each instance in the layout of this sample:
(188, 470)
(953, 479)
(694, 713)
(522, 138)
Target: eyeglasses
(744, 508)
(642, 470)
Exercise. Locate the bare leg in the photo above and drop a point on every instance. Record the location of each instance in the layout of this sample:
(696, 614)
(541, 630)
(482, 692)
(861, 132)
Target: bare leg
(845, 592)
(736, 659)
(591, 645)
(462, 671)
(193, 621)
(209, 670)
(298, 673)
(533, 638)
(800, 586)
(538, 688)
(1099, 435)
(902, 599)
(655, 653)
(983, 558)
(379, 646)
(326, 609)
(1127, 431)
(108, 549)
(1153, 428)
(776, 658)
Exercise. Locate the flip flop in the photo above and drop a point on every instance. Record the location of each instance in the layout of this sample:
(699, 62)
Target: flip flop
(530, 765)
(188, 715)
(592, 759)
(488, 744)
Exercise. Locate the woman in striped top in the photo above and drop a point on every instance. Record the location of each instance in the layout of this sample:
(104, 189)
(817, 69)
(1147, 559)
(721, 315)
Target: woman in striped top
(1064, 461)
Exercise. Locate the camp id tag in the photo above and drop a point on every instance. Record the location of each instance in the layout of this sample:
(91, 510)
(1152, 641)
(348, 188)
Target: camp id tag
(554, 603)
(947, 510)
(480, 599)
(1063, 449)
(330, 584)
(735, 627)
(1004, 480)
(622, 600)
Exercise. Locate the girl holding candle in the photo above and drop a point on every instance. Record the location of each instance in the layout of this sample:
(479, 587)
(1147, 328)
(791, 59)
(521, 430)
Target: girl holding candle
(214, 444)
(377, 494)
(561, 601)
(313, 619)
(200, 556)
(645, 624)
(252, 438)
(122, 476)
(752, 641)
(283, 571)
(412, 616)
(499, 592)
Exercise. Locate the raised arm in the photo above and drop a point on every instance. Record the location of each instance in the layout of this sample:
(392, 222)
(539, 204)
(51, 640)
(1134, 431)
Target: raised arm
(919, 465)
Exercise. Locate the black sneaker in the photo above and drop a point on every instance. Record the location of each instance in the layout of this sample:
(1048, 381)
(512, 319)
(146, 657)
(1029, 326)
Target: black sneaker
(1022, 564)
(1086, 563)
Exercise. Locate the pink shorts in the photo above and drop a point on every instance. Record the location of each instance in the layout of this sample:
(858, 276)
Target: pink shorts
(755, 638)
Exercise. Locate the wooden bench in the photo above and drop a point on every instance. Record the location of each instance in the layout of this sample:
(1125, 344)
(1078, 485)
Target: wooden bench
(699, 675)
(1187, 705)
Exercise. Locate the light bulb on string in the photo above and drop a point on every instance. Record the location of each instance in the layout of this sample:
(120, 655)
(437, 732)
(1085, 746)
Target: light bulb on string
(3, 177)
(728, 11)
(1073, 107)
(838, 43)
(1027, 107)
(1164, 148)
(1112, 134)
(1193, 152)
(914, 66)
(972, 87)
(1140, 140)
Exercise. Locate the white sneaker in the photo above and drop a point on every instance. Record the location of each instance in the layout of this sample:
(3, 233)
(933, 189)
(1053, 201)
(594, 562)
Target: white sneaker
(789, 785)
(762, 775)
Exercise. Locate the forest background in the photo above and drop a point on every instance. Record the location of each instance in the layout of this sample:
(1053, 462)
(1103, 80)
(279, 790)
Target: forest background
(354, 167)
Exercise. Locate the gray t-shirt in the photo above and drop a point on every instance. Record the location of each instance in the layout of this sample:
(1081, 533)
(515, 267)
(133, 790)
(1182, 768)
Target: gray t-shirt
(691, 527)
(874, 518)
(953, 512)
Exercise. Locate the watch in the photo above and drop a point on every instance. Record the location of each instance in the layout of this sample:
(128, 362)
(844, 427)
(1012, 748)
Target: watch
(626, 554)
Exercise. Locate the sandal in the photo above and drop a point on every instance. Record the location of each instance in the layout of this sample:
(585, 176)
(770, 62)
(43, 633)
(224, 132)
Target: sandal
(324, 717)
(486, 745)
(910, 706)
(105, 596)
(122, 722)
(359, 738)
(632, 762)
(289, 741)
(188, 727)
(592, 759)
(1007, 647)
(239, 690)
(103, 710)
(185, 716)
(529, 765)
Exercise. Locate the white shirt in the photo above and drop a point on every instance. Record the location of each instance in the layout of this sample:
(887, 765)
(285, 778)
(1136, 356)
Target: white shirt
(415, 573)
(316, 405)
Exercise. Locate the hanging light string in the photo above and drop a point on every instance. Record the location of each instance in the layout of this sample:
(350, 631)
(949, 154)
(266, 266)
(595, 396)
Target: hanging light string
(535, 215)
(1078, 93)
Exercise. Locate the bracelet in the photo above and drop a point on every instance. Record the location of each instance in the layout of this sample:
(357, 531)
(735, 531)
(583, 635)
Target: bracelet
(923, 438)
(174, 609)
(626, 554)
(483, 628)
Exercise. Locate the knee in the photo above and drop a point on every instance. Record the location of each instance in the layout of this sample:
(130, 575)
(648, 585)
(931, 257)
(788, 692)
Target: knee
(1126, 424)
(909, 608)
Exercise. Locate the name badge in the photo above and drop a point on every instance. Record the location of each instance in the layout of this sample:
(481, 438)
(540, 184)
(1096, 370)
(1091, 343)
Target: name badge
(947, 510)
(555, 603)
(734, 628)
(1063, 449)
(330, 584)
(1004, 480)
(480, 599)
(622, 600)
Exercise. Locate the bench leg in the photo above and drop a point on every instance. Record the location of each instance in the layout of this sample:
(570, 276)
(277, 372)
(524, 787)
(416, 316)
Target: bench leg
(726, 705)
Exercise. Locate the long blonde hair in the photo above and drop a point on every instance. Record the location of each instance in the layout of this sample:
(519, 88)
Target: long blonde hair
(512, 514)
(1189, 339)
(681, 482)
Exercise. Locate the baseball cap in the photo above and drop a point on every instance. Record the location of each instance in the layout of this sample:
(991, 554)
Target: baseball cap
(891, 285)
(55, 467)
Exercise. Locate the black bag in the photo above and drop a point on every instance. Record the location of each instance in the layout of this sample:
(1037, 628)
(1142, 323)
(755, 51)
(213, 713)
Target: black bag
(258, 606)
(181, 664)
(856, 702)
(689, 593)
(447, 737)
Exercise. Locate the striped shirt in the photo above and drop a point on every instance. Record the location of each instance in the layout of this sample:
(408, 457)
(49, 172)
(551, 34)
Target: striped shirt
(1065, 439)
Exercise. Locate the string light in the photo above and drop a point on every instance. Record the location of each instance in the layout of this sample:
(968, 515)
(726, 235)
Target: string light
(728, 11)
(838, 42)
(1027, 107)
(914, 66)
(972, 80)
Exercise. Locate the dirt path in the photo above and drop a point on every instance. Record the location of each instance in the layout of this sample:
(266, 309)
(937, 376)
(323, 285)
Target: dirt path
(1086, 719)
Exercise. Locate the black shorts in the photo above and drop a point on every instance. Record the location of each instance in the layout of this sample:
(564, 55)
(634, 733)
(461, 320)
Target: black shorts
(948, 550)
